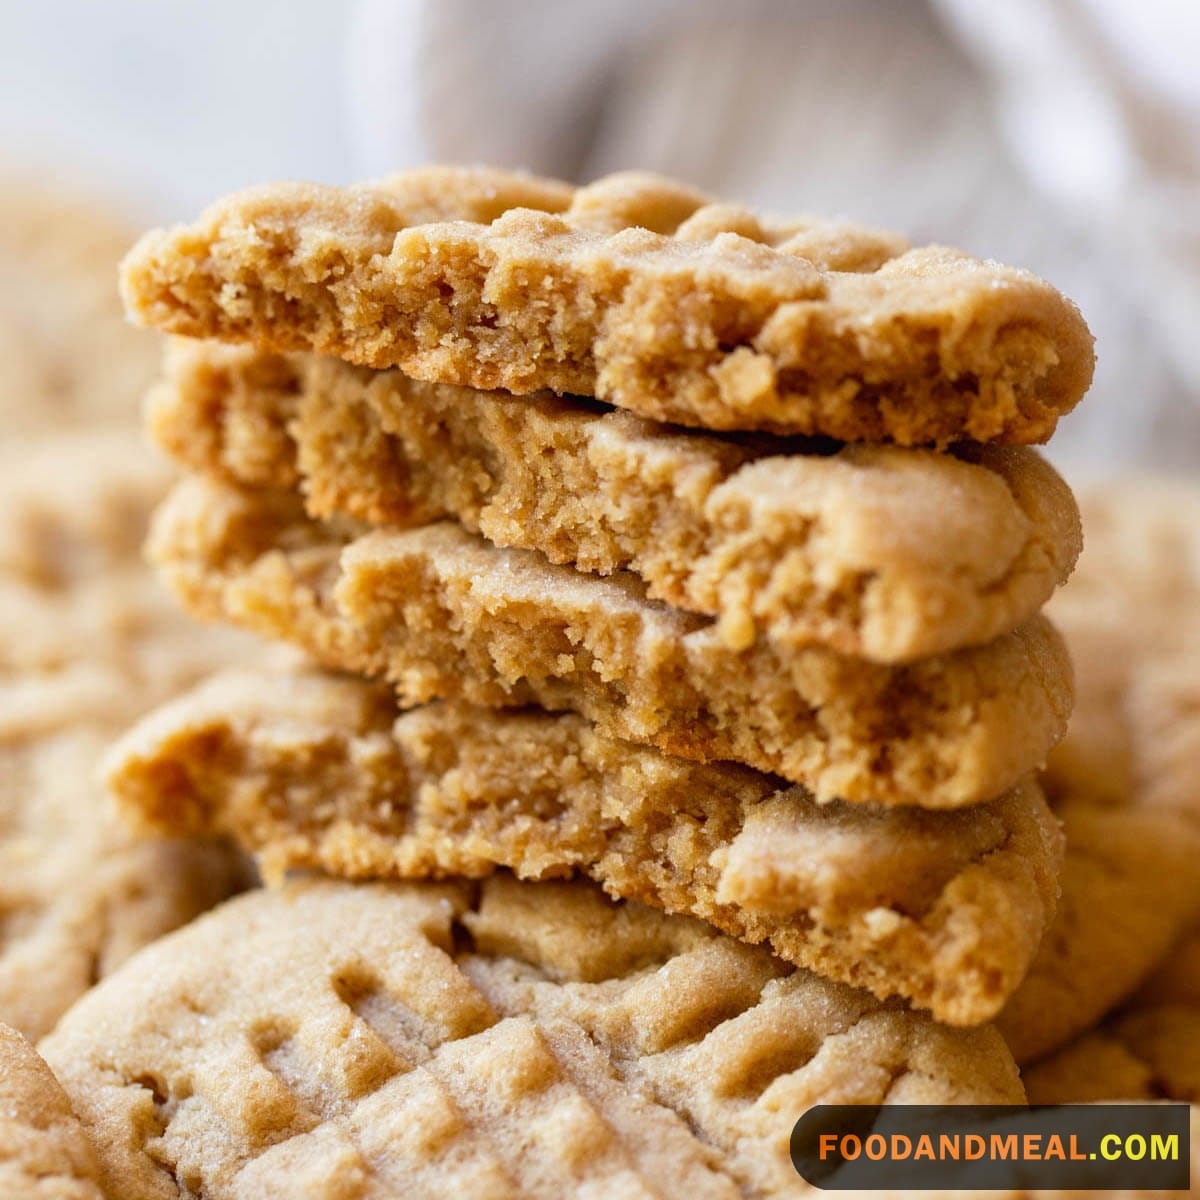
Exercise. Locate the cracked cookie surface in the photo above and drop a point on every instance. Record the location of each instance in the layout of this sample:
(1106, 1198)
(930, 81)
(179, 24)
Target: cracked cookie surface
(308, 770)
(442, 614)
(634, 289)
(875, 551)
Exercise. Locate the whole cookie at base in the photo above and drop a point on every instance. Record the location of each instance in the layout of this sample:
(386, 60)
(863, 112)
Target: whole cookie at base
(442, 613)
(311, 770)
(1128, 888)
(634, 289)
(365, 1040)
(874, 551)
(44, 1152)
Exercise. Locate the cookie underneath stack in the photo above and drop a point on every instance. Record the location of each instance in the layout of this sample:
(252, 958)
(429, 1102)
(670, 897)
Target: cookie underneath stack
(511, 1040)
(734, 672)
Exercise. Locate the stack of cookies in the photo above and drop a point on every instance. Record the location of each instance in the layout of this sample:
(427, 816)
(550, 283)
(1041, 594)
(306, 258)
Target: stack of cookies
(638, 545)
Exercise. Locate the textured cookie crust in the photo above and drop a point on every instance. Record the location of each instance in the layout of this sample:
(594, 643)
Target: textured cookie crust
(44, 1152)
(522, 1040)
(68, 357)
(1125, 778)
(443, 614)
(635, 290)
(88, 641)
(320, 771)
(874, 551)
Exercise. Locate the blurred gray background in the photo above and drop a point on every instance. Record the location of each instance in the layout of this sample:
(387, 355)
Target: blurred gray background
(1059, 135)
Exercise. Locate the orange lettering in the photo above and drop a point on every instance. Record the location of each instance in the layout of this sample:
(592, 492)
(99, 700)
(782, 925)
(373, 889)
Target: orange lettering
(1004, 1146)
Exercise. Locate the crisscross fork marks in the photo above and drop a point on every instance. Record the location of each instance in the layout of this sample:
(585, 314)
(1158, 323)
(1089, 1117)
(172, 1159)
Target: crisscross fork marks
(735, 1050)
(518, 1072)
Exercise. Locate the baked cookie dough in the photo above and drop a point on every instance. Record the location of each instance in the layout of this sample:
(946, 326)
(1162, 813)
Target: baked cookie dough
(635, 290)
(508, 1039)
(309, 770)
(442, 613)
(88, 641)
(873, 551)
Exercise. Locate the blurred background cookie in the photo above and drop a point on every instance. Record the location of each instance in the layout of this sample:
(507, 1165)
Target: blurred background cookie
(67, 356)
(88, 640)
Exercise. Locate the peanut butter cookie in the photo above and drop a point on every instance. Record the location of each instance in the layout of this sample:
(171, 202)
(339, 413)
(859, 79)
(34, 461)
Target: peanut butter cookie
(514, 1039)
(635, 290)
(874, 551)
(444, 614)
(311, 770)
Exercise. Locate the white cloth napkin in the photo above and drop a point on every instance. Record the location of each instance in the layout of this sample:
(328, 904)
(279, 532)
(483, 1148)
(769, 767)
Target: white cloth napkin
(1062, 135)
